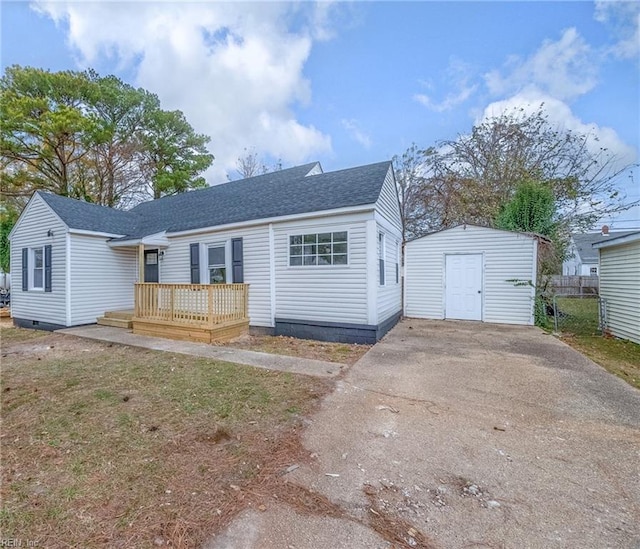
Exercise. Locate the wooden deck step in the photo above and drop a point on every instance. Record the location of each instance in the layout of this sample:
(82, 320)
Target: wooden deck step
(123, 315)
(115, 322)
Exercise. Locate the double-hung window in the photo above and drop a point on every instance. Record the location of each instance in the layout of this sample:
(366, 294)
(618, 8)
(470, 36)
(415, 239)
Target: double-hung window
(37, 272)
(217, 265)
(36, 268)
(318, 249)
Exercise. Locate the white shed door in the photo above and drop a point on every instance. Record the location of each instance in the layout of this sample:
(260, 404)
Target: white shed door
(463, 283)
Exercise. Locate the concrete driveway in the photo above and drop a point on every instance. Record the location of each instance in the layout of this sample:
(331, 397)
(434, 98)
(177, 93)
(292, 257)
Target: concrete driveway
(452, 435)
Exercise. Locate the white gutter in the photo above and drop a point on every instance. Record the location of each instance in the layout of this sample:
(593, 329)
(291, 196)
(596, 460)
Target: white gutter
(617, 241)
(95, 233)
(157, 239)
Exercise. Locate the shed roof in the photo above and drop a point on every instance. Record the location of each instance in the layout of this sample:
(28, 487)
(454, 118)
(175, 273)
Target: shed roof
(465, 225)
(292, 191)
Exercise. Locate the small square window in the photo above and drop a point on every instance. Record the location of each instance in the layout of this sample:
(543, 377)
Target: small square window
(216, 255)
(340, 237)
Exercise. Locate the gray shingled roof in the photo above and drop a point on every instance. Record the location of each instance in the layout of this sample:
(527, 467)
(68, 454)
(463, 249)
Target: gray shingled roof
(90, 217)
(276, 194)
(584, 244)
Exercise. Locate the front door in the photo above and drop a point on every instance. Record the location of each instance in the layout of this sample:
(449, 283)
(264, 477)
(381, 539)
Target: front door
(151, 273)
(463, 282)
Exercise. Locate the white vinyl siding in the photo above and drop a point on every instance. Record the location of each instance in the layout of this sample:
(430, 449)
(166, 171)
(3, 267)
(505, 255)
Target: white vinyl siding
(102, 278)
(31, 232)
(175, 266)
(506, 256)
(389, 294)
(388, 205)
(620, 288)
(331, 293)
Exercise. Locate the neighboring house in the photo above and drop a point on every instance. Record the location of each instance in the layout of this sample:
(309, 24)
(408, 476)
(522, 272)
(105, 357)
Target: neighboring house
(582, 257)
(320, 252)
(620, 284)
(470, 272)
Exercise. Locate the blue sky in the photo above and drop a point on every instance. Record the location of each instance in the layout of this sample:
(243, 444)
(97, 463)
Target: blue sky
(352, 83)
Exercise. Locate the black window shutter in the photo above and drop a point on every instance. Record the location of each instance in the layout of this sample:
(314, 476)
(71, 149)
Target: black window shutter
(47, 268)
(237, 266)
(195, 263)
(25, 269)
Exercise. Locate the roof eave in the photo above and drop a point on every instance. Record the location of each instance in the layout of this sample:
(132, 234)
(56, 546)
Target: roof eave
(617, 241)
(157, 239)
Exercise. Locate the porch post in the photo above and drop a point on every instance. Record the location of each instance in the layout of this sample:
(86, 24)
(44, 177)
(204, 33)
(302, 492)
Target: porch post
(140, 262)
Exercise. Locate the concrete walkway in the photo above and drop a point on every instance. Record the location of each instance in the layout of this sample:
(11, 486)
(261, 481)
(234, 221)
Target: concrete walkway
(268, 361)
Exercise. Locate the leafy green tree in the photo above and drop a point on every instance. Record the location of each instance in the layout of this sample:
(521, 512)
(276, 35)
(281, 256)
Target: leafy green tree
(174, 154)
(96, 138)
(44, 133)
(8, 218)
(532, 210)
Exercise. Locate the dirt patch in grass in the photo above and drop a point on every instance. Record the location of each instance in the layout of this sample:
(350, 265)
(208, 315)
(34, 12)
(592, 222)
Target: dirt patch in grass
(617, 356)
(343, 353)
(107, 445)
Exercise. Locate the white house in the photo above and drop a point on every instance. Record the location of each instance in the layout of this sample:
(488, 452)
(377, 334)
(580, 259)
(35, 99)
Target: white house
(582, 257)
(472, 273)
(620, 284)
(319, 251)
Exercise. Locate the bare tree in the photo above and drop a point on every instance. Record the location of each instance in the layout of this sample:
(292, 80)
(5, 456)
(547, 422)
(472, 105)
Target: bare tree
(470, 178)
(250, 165)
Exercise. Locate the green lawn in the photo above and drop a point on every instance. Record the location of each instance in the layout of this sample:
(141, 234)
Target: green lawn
(578, 316)
(617, 356)
(112, 446)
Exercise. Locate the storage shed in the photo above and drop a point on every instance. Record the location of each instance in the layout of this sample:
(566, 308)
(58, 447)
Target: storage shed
(620, 284)
(469, 273)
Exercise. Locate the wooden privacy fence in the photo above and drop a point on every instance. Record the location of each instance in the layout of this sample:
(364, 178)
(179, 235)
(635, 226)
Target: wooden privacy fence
(191, 304)
(574, 285)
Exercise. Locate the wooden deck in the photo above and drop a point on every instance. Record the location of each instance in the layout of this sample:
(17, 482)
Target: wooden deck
(191, 312)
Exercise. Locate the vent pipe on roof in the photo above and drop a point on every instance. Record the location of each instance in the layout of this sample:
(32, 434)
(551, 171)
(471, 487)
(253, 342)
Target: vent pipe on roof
(605, 230)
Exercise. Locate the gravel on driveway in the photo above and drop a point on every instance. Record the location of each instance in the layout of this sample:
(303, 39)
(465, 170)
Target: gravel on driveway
(468, 435)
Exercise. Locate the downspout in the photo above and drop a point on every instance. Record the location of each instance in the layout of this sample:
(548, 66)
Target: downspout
(67, 289)
(140, 262)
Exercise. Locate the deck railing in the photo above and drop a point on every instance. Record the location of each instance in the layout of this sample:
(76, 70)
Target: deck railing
(191, 304)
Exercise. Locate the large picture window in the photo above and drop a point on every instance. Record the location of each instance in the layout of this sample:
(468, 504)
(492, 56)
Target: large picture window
(318, 249)
(217, 265)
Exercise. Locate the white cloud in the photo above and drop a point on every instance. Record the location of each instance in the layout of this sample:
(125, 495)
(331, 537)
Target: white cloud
(235, 70)
(623, 19)
(564, 69)
(459, 75)
(356, 133)
(560, 115)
